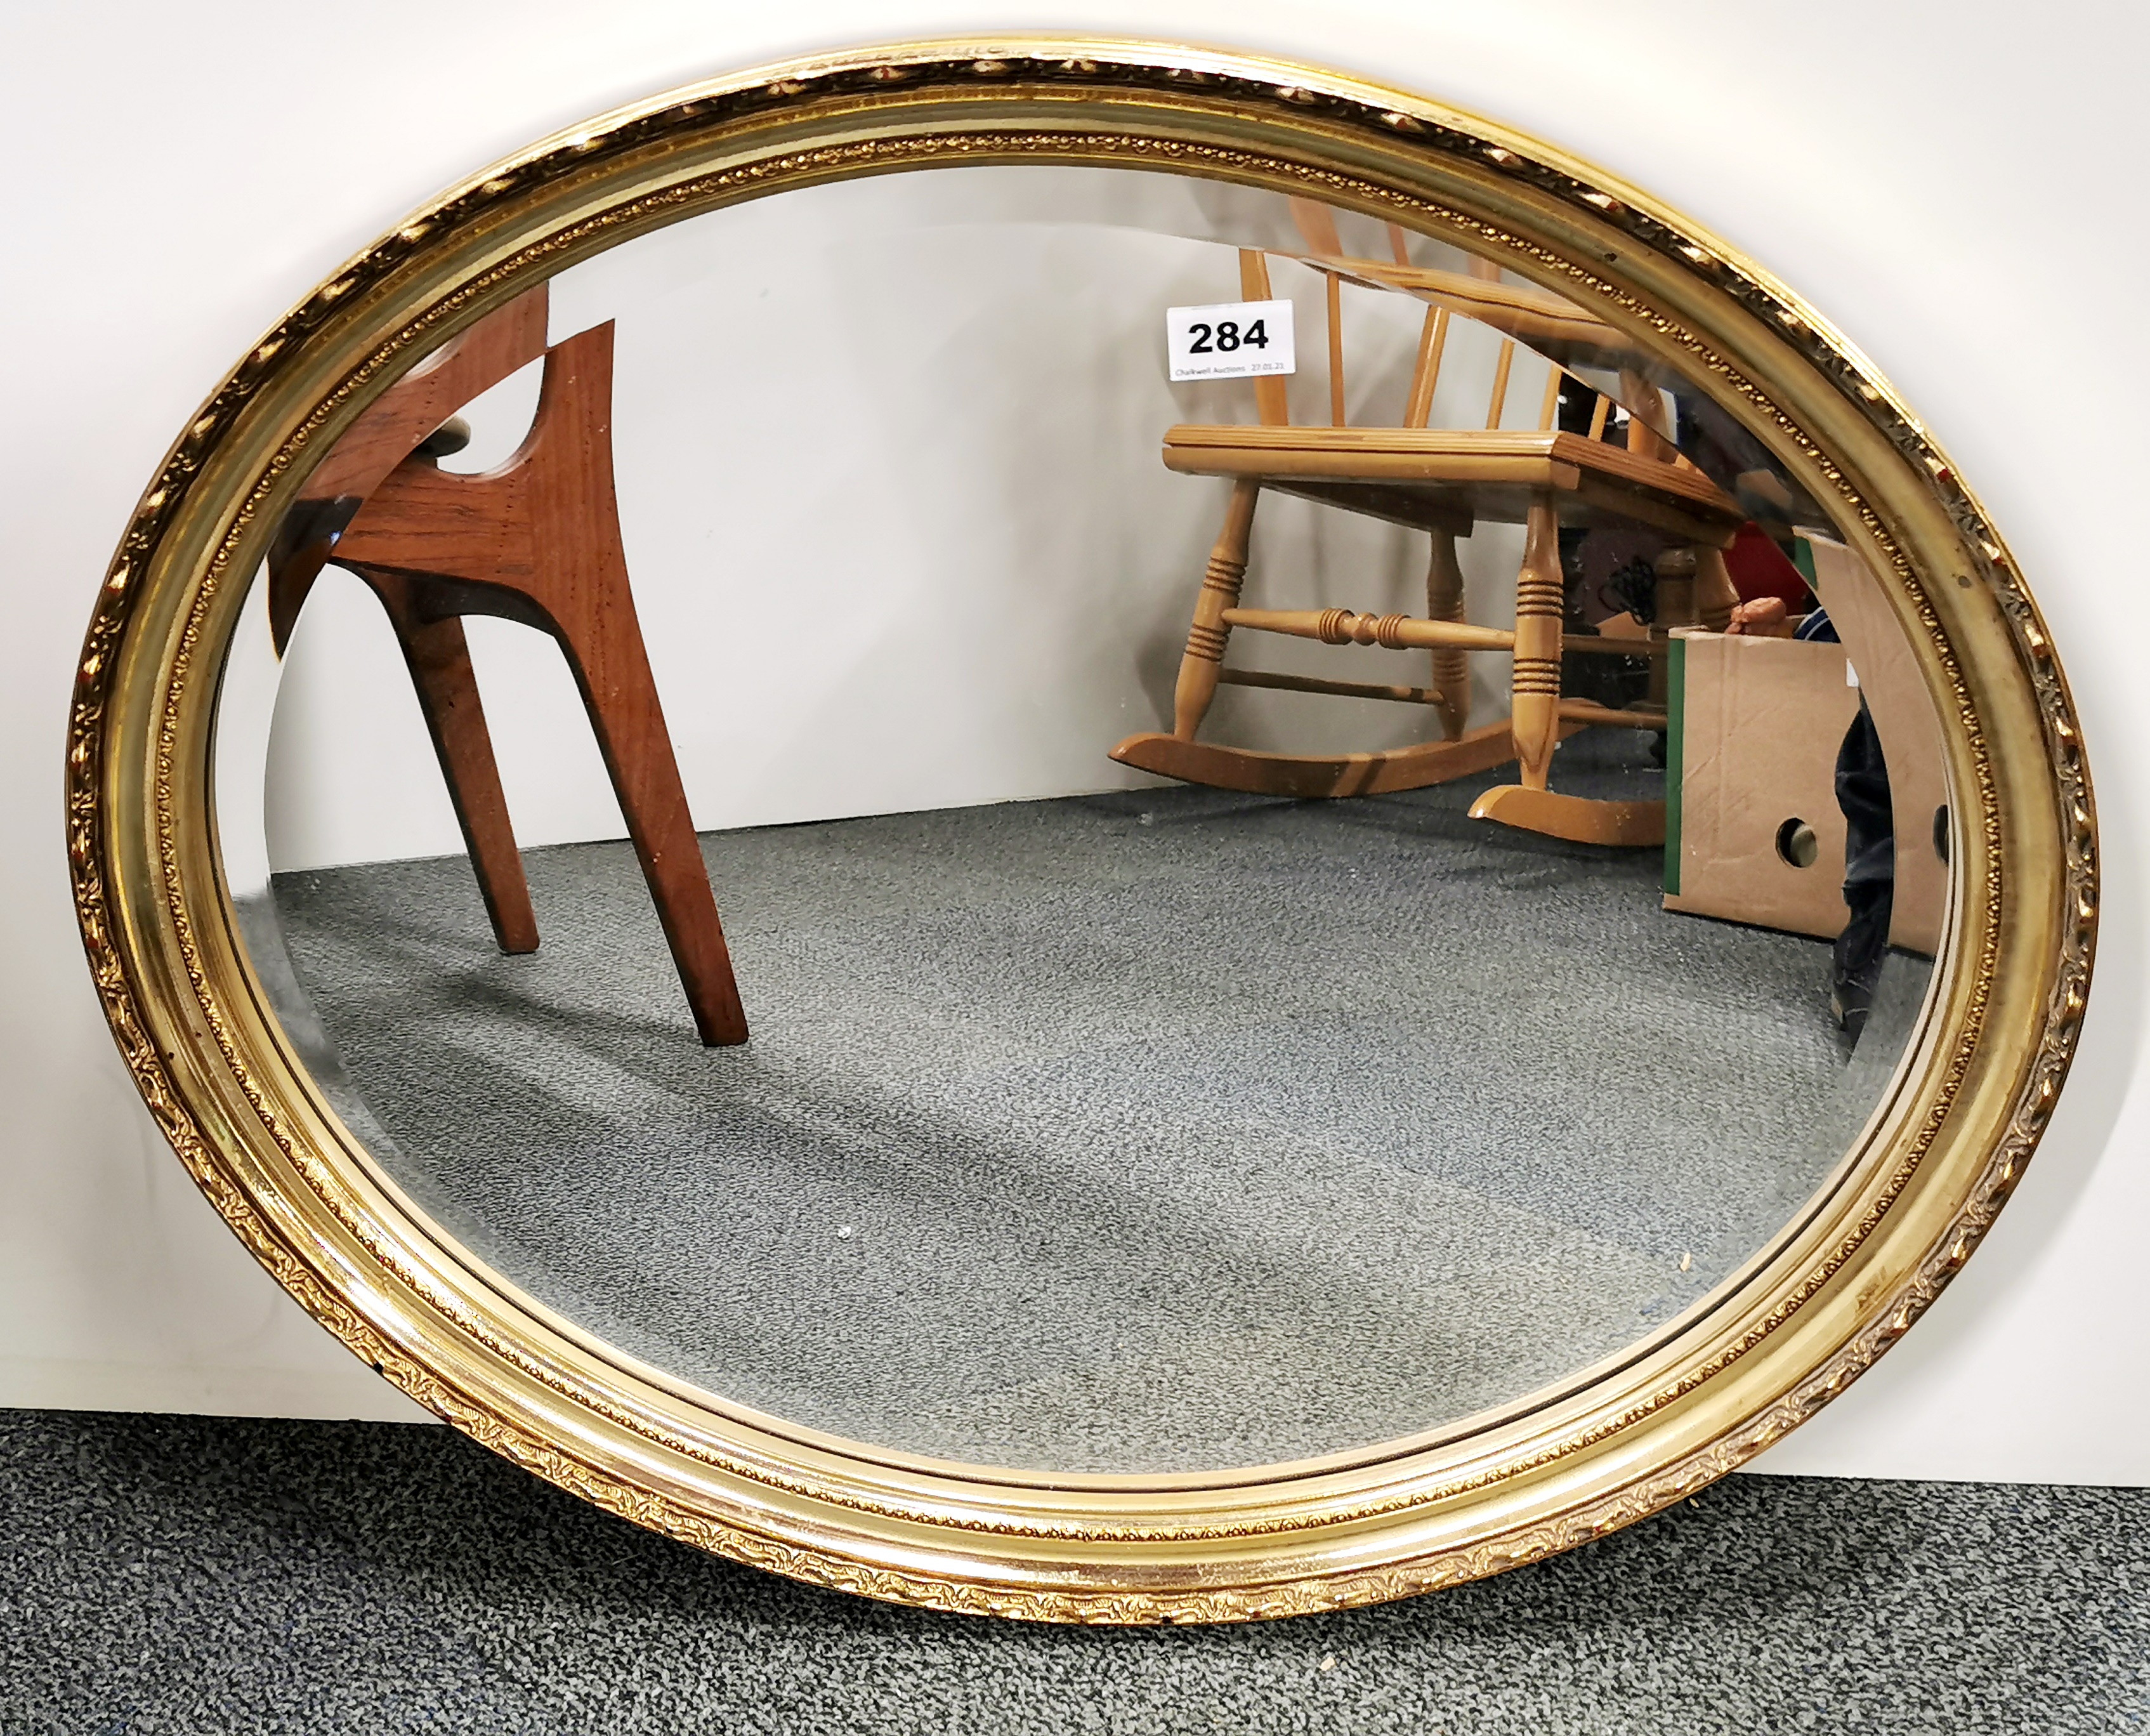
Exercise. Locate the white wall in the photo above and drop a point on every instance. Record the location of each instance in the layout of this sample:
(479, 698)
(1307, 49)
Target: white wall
(889, 484)
(1936, 180)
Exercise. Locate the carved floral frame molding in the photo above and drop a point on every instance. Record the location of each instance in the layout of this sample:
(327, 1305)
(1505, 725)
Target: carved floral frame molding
(1614, 1443)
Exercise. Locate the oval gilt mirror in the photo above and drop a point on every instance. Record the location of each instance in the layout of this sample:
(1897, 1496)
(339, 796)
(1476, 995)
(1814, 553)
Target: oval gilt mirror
(1083, 830)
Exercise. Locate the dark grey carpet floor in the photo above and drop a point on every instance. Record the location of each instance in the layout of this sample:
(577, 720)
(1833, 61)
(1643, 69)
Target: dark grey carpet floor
(1162, 1130)
(189, 1576)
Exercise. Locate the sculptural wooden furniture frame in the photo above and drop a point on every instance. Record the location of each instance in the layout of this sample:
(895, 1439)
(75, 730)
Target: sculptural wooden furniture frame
(535, 540)
(1444, 482)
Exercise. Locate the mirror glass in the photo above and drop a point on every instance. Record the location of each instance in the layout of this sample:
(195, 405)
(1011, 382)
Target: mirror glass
(1305, 842)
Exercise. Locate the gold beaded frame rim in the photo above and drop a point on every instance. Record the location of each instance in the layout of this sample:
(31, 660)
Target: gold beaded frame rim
(1771, 1346)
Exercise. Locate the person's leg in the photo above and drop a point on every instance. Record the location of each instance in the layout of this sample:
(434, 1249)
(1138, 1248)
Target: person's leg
(1869, 871)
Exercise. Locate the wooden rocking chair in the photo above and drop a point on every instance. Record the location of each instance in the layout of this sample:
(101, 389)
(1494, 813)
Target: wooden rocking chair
(1444, 482)
(536, 540)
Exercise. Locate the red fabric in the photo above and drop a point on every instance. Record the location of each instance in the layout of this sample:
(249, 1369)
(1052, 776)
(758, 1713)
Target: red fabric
(1759, 568)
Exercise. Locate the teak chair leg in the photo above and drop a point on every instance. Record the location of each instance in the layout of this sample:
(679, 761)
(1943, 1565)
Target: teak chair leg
(438, 658)
(611, 667)
(1452, 667)
(1204, 656)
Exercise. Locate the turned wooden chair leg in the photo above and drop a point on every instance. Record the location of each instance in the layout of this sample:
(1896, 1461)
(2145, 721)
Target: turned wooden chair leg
(1675, 609)
(438, 658)
(1541, 598)
(612, 667)
(1715, 595)
(1451, 667)
(1204, 656)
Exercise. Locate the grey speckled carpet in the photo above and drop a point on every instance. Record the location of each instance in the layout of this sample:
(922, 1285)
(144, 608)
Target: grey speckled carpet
(192, 1576)
(1162, 1130)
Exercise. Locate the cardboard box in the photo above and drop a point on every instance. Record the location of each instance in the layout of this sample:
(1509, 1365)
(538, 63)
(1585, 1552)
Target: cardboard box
(1754, 833)
(1910, 731)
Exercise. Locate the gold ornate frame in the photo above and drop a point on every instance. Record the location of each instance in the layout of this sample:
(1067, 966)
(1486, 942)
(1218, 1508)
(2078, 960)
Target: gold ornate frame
(1779, 1340)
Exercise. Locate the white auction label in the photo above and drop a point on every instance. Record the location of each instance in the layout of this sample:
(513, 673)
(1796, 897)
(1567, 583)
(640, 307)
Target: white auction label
(1230, 340)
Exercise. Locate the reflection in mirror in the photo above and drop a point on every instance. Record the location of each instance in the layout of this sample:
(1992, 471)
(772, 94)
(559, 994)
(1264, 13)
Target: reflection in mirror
(785, 828)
